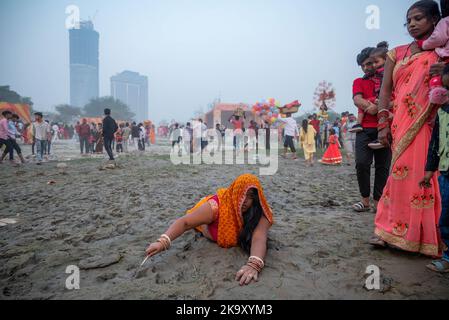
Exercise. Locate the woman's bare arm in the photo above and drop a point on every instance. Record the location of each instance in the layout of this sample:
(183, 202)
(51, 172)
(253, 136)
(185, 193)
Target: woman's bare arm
(387, 86)
(384, 101)
(248, 274)
(201, 216)
(259, 240)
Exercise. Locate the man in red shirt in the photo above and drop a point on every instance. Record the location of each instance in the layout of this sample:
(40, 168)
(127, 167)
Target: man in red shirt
(316, 125)
(364, 99)
(84, 134)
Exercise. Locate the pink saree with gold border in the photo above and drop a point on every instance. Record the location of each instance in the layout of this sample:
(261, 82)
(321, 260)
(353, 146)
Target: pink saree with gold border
(407, 216)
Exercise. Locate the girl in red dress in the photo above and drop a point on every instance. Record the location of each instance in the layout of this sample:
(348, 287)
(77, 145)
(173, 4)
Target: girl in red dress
(332, 156)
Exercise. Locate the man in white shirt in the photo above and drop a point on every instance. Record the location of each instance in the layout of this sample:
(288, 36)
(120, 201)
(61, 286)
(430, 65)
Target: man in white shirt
(291, 132)
(187, 133)
(200, 135)
(42, 133)
(55, 129)
(142, 135)
(204, 141)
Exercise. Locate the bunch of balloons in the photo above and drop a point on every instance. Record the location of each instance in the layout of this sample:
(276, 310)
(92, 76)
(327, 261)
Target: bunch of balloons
(267, 109)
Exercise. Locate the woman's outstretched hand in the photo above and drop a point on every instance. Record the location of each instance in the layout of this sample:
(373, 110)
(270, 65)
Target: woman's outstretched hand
(246, 275)
(154, 249)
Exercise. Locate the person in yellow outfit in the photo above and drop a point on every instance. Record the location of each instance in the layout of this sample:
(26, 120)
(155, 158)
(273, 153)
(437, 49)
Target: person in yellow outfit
(307, 135)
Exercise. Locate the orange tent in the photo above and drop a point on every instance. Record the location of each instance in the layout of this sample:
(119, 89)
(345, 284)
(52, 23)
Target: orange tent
(22, 110)
(99, 120)
(93, 120)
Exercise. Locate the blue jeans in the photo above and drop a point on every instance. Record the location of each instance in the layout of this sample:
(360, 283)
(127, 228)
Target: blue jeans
(444, 220)
(41, 145)
(108, 147)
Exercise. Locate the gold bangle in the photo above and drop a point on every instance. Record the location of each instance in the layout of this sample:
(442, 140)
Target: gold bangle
(164, 243)
(254, 266)
(166, 237)
(258, 259)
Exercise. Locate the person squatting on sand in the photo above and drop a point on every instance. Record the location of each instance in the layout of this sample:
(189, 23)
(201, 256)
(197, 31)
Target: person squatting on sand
(236, 216)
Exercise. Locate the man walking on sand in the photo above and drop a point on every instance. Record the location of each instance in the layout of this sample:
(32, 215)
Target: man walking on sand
(12, 135)
(126, 133)
(109, 129)
(4, 131)
(84, 135)
(135, 135)
(42, 133)
(291, 132)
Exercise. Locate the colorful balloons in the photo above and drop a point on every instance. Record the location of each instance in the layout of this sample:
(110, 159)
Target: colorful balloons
(268, 109)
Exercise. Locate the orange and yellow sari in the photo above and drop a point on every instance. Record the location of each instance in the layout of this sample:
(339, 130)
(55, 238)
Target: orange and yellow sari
(230, 223)
(407, 216)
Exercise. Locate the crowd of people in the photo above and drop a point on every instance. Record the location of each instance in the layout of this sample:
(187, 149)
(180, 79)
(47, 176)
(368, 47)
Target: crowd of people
(314, 133)
(131, 136)
(92, 136)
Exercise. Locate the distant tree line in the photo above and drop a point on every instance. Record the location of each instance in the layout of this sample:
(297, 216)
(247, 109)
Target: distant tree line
(9, 96)
(67, 113)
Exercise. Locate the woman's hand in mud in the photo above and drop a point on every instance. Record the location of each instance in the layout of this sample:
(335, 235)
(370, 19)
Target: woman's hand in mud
(437, 69)
(154, 249)
(385, 136)
(246, 275)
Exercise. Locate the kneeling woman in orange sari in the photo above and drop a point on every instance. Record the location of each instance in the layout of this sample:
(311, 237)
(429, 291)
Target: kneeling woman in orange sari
(236, 216)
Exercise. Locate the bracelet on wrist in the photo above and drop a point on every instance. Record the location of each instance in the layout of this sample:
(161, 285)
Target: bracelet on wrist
(384, 113)
(256, 263)
(383, 125)
(165, 241)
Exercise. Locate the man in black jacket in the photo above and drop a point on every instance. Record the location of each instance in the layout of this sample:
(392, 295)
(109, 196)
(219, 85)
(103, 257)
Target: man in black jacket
(109, 129)
(135, 135)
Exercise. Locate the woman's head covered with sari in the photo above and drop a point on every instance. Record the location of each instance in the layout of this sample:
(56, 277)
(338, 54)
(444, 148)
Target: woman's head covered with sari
(232, 220)
(235, 227)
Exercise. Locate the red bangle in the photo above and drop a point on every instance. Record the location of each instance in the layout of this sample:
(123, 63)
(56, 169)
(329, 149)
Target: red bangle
(384, 114)
(383, 125)
(254, 266)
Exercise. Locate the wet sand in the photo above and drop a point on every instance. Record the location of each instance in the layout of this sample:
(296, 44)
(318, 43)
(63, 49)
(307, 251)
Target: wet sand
(102, 221)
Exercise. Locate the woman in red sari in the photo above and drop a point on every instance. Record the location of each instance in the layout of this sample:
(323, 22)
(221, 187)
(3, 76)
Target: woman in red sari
(408, 214)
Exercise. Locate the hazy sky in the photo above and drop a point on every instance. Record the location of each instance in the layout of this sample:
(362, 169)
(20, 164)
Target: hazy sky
(195, 50)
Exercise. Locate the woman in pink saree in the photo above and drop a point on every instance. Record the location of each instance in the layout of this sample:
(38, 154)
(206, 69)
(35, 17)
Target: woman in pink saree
(408, 214)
